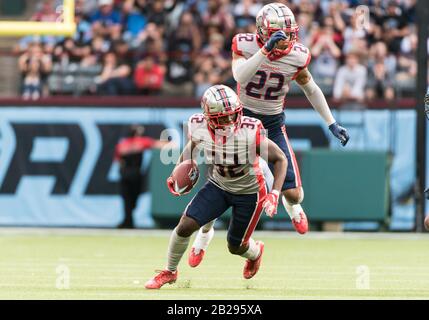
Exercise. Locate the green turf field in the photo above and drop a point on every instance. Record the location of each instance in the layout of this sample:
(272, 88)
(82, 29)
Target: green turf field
(115, 265)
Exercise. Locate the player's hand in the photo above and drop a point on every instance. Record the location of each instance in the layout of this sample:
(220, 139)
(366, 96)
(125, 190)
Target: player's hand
(270, 202)
(274, 39)
(170, 185)
(340, 133)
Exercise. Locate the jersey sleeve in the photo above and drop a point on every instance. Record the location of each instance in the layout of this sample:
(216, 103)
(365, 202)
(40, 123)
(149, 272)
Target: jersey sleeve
(302, 58)
(195, 122)
(235, 46)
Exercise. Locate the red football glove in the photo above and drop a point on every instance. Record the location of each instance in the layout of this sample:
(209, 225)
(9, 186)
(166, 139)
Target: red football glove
(270, 202)
(170, 185)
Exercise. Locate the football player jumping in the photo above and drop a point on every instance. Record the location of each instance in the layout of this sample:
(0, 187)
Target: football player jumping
(233, 144)
(263, 65)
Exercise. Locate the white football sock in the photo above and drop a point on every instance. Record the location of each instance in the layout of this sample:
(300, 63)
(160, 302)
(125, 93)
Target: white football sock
(253, 252)
(292, 210)
(176, 249)
(202, 240)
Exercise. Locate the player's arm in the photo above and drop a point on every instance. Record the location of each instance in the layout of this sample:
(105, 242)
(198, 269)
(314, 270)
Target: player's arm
(244, 69)
(186, 154)
(317, 99)
(275, 156)
(279, 161)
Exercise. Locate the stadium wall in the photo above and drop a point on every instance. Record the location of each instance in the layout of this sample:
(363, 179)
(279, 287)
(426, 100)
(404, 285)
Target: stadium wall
(56, 165)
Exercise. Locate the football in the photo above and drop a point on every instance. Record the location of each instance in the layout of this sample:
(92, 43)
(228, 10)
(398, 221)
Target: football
(427, 223)
(185, 176)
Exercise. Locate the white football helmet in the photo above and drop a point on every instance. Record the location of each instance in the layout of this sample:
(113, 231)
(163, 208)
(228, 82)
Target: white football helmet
(222, 108)
(274, 17)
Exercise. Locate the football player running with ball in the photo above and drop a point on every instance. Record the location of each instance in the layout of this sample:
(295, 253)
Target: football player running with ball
(263, 65)
(233, 144)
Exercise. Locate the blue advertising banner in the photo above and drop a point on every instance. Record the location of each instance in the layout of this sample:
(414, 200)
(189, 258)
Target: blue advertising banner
(57, 168)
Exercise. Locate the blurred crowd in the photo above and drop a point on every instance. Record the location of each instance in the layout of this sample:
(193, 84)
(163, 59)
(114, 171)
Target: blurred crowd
(181, 47)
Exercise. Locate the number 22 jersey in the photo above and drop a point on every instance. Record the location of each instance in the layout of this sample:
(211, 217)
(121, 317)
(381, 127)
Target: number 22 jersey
(265, 93)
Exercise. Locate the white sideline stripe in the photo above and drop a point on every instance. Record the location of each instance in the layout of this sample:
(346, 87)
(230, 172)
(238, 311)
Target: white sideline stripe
(12, 231)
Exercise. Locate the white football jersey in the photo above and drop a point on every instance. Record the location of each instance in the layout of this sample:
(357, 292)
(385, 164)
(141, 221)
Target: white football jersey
(233, 161)
(265, 93)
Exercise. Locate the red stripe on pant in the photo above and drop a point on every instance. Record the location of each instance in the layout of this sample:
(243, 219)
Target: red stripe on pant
(258, 211)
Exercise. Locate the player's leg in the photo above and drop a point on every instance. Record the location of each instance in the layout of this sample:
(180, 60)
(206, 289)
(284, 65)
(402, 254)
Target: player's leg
(127, 201)
(177, 245)
(206, 232)
(208, 204)
(201, 243)
(247, 210)
(292, 191)
(135, 190)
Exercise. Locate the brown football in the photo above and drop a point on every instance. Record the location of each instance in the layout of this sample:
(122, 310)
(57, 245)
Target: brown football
(185, 176)
(427, 222)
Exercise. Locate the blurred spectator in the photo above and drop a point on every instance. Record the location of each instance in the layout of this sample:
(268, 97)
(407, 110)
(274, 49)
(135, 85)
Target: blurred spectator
(106, 21)
(245, 13)
(395, 26)
(83, 33)
(47, 12)
(34, 66)
(96, 50)
(188, 36)
(151, 41)
(206, 76)
(132, 20)
(115, 78)
(67, 52)
(220, 63)
(217, 18)
(354, 36)
(407, 65)
(157, 14)
(350, 81)
(32, 84)
(149, 76)
(123, 52)
(86, 6)
(381, 74)
(183, 45)
(325, 51)
(187, 33)
(306, 28)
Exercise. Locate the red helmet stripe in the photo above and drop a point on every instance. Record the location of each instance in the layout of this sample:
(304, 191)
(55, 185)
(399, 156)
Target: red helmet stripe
(225, 100)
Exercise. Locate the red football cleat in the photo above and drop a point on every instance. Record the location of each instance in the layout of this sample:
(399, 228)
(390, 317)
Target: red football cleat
(302, 226)
(164, 276)
(195, 259)
(252, 266)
